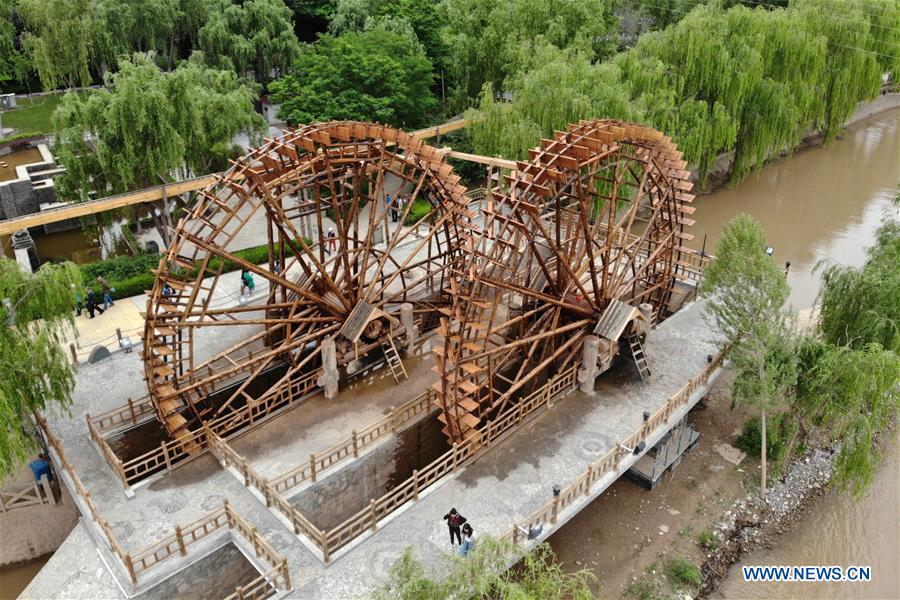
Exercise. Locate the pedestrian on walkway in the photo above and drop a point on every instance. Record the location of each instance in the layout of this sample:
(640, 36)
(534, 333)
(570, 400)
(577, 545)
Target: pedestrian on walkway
(468, 540)
(332, 241)
(107, 292)
(454, 522)
(247, 282)
(79, 301)
(91, 303)
(395, 215)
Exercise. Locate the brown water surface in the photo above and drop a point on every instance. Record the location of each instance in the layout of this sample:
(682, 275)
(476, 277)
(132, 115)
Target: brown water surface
(13, 580)
(839, 532)
(822, 203)
(9, 162)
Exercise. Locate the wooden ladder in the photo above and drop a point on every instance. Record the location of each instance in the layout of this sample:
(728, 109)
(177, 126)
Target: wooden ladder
(637, 352)
(393, 359)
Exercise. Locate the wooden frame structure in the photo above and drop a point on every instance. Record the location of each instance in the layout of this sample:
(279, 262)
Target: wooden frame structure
(597, 216)
(334, 244)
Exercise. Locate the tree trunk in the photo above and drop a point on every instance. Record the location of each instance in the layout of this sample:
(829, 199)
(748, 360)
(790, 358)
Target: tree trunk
(762, 485)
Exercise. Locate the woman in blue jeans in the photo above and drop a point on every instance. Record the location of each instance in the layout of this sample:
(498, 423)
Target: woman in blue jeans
(468, 540)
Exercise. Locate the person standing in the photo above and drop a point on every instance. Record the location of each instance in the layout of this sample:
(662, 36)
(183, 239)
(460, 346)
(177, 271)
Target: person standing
(91, 303)
(79, 302)
(251, 285)
(332, 241)
(454, 522)
(395, 214)
(468, 540)
(107, 292)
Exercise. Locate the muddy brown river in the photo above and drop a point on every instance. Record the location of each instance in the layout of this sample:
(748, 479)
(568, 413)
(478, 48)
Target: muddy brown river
(825, 203)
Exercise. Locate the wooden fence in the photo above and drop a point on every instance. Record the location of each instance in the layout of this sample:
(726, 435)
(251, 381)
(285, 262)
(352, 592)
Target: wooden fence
(358, 440)
(183, 537)
(367, 519)
(609, 462)
(172, 452)
(20, 495)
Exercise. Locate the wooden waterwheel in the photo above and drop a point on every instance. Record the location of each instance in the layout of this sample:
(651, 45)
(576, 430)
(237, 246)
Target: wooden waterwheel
(336, 253)
(585, 239)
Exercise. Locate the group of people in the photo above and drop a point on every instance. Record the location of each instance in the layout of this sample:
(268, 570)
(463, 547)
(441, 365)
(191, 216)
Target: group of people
(461, 532)
(87, 300)
(395, 206)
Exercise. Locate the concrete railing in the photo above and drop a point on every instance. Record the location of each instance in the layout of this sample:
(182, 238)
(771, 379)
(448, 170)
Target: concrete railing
(21, 495)
(610, 461)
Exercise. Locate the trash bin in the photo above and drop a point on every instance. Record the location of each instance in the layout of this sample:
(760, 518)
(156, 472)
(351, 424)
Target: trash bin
(40, 467)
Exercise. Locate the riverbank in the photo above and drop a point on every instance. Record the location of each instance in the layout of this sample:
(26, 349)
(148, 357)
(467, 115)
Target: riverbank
(719, 175)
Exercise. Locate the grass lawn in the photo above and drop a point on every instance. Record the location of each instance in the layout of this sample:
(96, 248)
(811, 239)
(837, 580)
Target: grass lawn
(33, 114)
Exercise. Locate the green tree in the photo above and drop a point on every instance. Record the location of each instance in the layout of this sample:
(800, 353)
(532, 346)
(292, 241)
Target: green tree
(484, 574)
(376, 75)
(851, 394)
(35, 372)
(859, 306)
(60, 39)
(485, 38)
(257, 36)
(746, 293)
(146, 126)
(423, 16)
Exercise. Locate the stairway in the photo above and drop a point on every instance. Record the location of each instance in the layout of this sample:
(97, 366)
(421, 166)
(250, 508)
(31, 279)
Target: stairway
(637, 352)
(393, 359)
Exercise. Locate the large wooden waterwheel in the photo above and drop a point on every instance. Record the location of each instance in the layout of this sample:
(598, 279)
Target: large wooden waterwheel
(337, 260)
(573, 244)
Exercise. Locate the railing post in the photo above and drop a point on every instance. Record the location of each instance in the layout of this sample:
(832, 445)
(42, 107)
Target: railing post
(129, 565)
(285, 572)
(555, 510)
(239, 592)
(165, 449)
(455, 455)
(312, 466)
(415, 478)
(515, 533)
(74, 354)
(487, 437)
(355, 447)
(48, 491)
(180, 536)
(373, 517)
(131, 407)
(326, 548)
(393, 420)
(245, 474)
(228, 515)
(590, 475)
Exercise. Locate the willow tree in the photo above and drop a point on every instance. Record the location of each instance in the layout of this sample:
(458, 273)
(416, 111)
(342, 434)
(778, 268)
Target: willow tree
(255, 36)
(146, 127)
(484, 37)
(35, 372)
(61, 39)
(746, 294)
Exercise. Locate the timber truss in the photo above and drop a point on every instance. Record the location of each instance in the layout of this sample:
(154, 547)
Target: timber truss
(339, 262)
(573, 243)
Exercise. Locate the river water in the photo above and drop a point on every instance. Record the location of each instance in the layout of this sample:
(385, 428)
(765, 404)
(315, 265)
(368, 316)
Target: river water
(825, 203)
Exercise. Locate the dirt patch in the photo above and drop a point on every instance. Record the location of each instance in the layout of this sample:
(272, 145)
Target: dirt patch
(628, 532)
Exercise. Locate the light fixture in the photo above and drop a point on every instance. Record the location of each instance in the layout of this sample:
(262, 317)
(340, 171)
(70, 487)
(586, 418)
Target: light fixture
(636, 450)
(646, 416)
(556, 490)
(770, 250)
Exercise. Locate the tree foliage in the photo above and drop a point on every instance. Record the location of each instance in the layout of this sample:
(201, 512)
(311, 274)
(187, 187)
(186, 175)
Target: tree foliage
(748, 80)
(35, 372)
(484, 574)
(376, 75)
(147, 124)
(60, 39)
(860, 306)
(257, 36)
(488, 40)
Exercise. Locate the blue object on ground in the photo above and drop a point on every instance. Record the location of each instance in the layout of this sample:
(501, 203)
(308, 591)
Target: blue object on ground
(39, 468)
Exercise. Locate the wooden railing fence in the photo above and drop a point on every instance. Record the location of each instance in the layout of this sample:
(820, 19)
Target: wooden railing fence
(20, 495)
(183, 537)
(609, 462)
(351, 447)
(171, 453)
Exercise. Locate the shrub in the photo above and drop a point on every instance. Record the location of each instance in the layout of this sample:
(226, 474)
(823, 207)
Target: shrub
(418, 211)
(779, 430)
(682, 573)
(708, 539)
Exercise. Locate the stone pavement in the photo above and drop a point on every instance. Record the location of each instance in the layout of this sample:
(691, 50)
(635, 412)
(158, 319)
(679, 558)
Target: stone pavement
(504, 485)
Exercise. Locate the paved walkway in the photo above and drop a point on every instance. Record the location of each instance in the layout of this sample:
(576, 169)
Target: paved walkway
(505, 485)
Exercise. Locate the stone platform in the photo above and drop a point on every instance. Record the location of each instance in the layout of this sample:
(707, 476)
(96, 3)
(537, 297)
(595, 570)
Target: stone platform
(501, 487)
